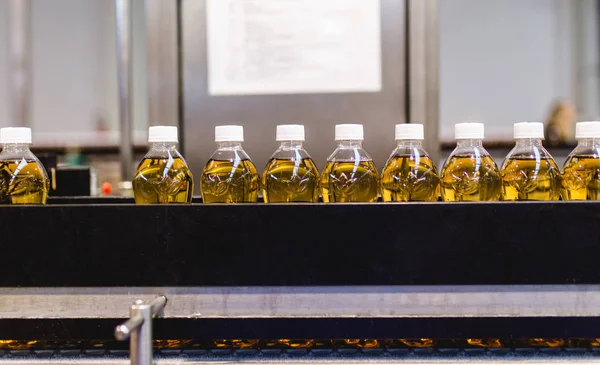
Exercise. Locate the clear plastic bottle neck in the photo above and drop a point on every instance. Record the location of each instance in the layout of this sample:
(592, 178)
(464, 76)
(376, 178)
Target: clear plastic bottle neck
(587, 147)
(529, 148)
(589, 143)
(162, 150)
(349, 151)
(350, 143)
(290, 150)
(16, 148)
(290, 145)
(413, 143)
(229, 151)
(229, 146)
(466, 143)
(529, 142)
(163, 146)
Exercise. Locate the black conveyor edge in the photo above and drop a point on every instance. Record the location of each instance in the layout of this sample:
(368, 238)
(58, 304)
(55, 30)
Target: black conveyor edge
(319, 328)
(291, 245)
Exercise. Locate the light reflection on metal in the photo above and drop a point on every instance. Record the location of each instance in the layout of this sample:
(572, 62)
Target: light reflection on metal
(423, 70)
(124, 80)
(315, 302)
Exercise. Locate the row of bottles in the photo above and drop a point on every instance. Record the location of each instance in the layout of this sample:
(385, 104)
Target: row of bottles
(470, 174)
(528, 173)
(231, 177)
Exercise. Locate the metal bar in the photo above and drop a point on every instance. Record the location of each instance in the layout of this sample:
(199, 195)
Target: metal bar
(124, 75)
(123, 331)
(19, 20)
(140, 347)
(139, 329)
(158, 304)
(423, 71)
(311, 301)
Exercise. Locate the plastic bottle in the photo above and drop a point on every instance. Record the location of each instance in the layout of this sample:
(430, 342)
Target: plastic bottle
(290, 175)
(529, 171)
(163, 175)
(470, 173)
(581, 172)
(23, 179)
(229, 176)
(350, 174)
(409, 174)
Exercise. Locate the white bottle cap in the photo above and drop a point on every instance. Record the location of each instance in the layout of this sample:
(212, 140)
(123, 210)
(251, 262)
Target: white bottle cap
(409, 131)
(229, 133)
(528, 130)
(290, 132)
(349, 132)
(162, 133)
(468, 131)
(15, 135)
(587, 130)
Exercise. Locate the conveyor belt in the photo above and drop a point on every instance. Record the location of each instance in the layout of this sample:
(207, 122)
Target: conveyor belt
(401, 356)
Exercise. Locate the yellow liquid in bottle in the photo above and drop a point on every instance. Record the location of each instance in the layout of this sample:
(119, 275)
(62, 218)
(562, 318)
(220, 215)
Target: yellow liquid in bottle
(170, 344)
(581, 178)
(418, 342)
(530, 179)
(162, 180)
(360, 343)
(229, 182)
(485, 342)
(236, 344)
(291, 343)
(23, 182)
(344, 182)
(286, 181)
(546, 342)
(467, 178)
(405, 179)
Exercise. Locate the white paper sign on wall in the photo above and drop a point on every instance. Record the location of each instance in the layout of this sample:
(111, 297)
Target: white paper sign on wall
(293, 46)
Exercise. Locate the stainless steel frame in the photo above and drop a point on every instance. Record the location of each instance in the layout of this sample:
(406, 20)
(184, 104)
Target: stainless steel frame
(423, 75)
(260, 114)
(124, 79)
(346, 302)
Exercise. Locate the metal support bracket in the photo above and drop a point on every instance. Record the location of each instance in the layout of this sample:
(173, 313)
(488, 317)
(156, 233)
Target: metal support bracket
(138, 328)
